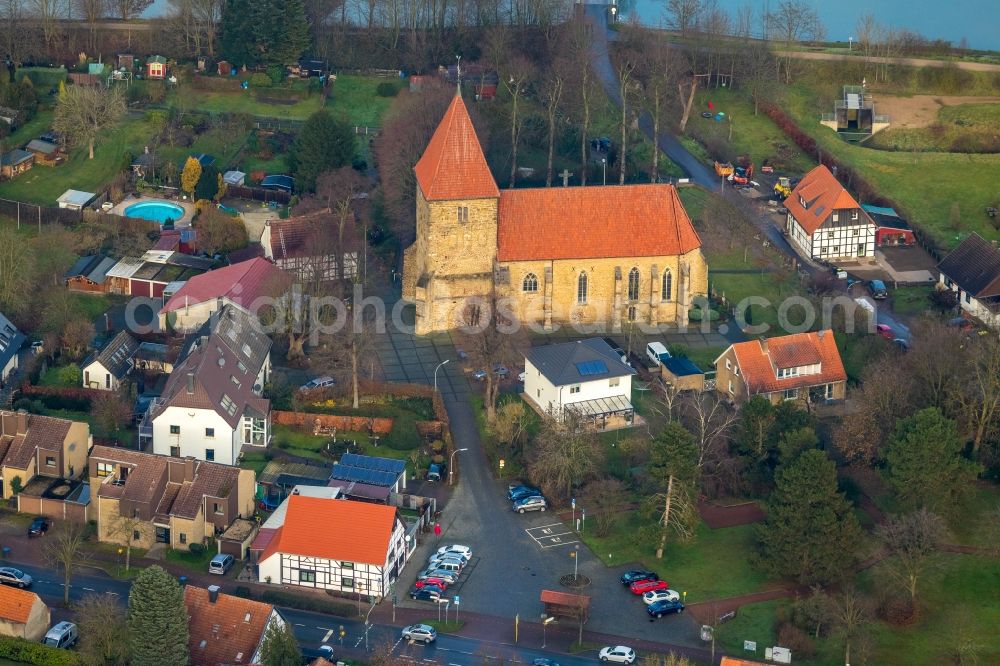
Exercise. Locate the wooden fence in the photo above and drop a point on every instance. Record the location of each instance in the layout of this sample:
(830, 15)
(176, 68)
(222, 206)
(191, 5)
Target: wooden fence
(29, 214)
(258, 194)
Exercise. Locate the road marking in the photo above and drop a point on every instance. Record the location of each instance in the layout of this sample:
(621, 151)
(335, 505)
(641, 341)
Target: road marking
(547, 536)
(89, 589)
(299, 625)
(561, 543)
(327, 635)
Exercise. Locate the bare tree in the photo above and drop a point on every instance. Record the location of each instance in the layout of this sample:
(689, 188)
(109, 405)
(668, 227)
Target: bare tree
(92, 11)
(552, 92)
(12, 16)
(128, 531)
(606, 499)
(490, 334)
(912, 541)
(127, 10)
(626, 67)
(657, 73)
(794, 21)
(685, 94)
(979, 398)
(16, 263)
(48, 13)
(683, 15)
(346, 353)
(851, 614)
(103, 632)
(84, 112)
(516, 77)
(564, 455)
(710, 421)
(63, 551)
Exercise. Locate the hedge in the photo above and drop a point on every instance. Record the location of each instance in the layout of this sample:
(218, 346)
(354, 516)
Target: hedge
(28, 652)
(290, 600)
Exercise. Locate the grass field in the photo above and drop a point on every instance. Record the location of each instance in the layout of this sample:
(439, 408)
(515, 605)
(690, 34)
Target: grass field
(911, 300)
(43, 185)
(957, 129)
(223, 145)
(244, 102)
(354, 97)
(194, 562)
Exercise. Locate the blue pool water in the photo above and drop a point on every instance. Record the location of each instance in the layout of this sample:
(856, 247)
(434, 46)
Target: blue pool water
(155, 211)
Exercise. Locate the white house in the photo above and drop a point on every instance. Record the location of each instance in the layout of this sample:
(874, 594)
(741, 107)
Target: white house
(106, 369)
(825, 222)
(972, 271)
(586, 376)
(10, 342)
(333, 544)
(211, 406)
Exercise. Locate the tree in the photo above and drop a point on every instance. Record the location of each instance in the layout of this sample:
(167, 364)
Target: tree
(86, 112)
(552, 92)
(279, 647)
(111, 410)
(190, 175)
(625, 70)
(76, 337)
(884, 393)
(219, 232)
(488, 335)
(925, 463)
(912, 541)
(673, 466)
(63, 551)
(16, 268)
(511, 425)
(518, 72)
(157, 620)
(128, 531)
(127, 10)
(346, 353)
(323, 144)
(49, 13)
(979, 397)
(280, 31)
(710, 421)
(683, 15)
(851, 615)
(606, 498)
(208, 183)
(103, 632)
(563, 455)
(810, 533)
(796, 442)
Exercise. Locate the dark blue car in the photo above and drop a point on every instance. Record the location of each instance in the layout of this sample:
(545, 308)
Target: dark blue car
(664, 607)
(630, 577)
(515, 493)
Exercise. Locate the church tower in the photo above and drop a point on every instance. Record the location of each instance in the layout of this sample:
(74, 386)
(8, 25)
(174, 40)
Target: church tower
(456, 231)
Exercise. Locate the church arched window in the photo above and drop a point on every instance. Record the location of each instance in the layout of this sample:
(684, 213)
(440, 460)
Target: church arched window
(633, 284)
(668, 283)
(581, 289)
(530, 283)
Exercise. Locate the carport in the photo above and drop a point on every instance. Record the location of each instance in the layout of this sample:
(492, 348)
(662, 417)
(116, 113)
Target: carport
(602, 413)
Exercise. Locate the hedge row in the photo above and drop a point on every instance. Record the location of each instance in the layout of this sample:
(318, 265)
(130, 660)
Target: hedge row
(290, 600)
(28, 652)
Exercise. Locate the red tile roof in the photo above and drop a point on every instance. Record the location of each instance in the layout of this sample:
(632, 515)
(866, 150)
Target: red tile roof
(593, 222)
(240, 283)
(231, 628)
(453, 165)
(351, 531)
(15, 604)
(759, 360)
(47, 433)
(823, 194)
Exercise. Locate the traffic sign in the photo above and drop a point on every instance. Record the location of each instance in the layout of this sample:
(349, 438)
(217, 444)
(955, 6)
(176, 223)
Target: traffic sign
(573, 501)
(501, 463)
(457, 599)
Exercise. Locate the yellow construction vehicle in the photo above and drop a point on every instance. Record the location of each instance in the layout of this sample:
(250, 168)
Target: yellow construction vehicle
(783, 188)
(723, 169)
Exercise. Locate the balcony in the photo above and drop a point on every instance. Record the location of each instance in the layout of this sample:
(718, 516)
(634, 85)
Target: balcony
(146, 424)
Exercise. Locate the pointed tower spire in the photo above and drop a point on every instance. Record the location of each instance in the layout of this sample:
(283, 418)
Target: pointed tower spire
(453, 165)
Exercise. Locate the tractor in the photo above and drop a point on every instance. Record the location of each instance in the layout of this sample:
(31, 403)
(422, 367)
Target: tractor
(783, 188)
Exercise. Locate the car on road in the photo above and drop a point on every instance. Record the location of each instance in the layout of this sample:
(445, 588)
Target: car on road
(885, 331)
(448, 576)
(619, 654)
(439, 583)
(421, 633)
(544, 661)
(643, 586)
(532, 503)
(878, 290)
(323, 382)
(15, 577)
(220, 564)
(425, 594)
(653, 596)
(665, 607)
(517, 492)
(38, 527)
(636, 575)
(464, 551)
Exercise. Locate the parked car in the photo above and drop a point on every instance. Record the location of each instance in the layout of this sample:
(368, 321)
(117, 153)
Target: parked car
(422, 633)
(448, 576)
(15, 577)
(643, 586)
(620, 654)
(544, 661)
(435, 472)
(653, 596)
(464, 551)
(430, 587)
(521, 376)
(884, 331)
(425, 594)
(665, 607)
(532, 503)
(878, 290)
(515, 493)
(38, 527)
(633, 576)
(220, 564)
(499, 370)
(657, 353)
(62, 635)
(437, 560)
(439, 583)
(617, 349)
(323, 382)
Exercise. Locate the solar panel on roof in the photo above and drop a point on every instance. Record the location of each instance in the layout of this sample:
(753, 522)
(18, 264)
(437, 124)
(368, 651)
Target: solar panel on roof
(370, 462)
(372, 477)
(590, 368)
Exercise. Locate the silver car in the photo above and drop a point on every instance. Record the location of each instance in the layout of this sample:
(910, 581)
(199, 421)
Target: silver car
(420, 633)
(15, 577)
(532, 503)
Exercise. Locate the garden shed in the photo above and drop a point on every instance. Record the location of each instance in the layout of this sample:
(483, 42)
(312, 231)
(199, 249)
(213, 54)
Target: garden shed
(682, 374)
(75, 199)
(234, 178)
(278, 182)
(45, 152)
(156, 67)
(15, 162)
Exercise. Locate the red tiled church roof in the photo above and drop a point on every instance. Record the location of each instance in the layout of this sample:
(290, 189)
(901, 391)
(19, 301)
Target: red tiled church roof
(453, 165)
(823, 194)
(592, 222)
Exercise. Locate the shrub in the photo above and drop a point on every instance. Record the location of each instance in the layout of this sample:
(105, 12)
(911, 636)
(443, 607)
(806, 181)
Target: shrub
(386, 89)
(276, 73)
(260, 80)
(197, 548)
(27, 652)
(279, 598)
(796, 640)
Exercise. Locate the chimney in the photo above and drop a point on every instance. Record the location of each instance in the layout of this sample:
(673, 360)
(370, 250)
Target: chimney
(189, 469)
(213, 593)
(22, 422)
(763, 345)
(190, 383)
(8, 423)
(820, 333)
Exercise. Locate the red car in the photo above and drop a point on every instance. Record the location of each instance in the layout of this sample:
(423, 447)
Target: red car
(643, 586)
(884, 331)
(435, 582)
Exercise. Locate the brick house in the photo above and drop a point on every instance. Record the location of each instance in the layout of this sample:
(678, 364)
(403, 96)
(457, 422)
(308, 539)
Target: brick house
(33, 445)
(802, 366)
(224, 630)
(825, 222)
(586, 255)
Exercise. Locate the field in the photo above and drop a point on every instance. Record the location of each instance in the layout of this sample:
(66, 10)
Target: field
(959, 128)
(354, 97)
(245, 102)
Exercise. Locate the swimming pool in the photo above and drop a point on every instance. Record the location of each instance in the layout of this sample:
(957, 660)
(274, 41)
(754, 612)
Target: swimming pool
(155, 210)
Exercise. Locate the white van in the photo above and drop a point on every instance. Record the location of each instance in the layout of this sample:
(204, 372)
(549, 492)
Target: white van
(657, 353)
(62, 635)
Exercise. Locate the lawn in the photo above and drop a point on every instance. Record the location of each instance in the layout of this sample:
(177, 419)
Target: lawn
(976, 527)
(773, 287)
(296, 442)
(957, 128)
(194, 562)
(753, 622)
(911, 300)
(32, 129)
(713, 566)
(255, 461)
(43, 185)
(354, 97)
(753, 135)
(123, 437)
(219, 142)
(245, 102)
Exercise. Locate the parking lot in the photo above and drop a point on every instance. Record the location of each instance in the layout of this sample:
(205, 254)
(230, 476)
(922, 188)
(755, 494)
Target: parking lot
(552, 535)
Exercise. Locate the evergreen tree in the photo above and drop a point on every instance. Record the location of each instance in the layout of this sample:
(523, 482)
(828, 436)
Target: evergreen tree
(279, 647)
(208, 183)
(281, 31)
(157, 620)
(810, 533)
(323, 144)
(237, 43)
(925, 463)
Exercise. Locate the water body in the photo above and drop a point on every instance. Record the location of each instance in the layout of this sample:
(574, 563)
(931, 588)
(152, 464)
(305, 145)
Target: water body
(978, 21)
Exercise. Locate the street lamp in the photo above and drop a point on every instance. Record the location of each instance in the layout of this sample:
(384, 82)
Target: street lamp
(604, 163)
(436, 373)
(451, 466)
(367, 624)
(546, 621)
(576, 561)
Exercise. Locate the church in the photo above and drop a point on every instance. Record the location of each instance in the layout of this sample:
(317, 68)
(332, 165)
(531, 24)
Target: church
(596, 256)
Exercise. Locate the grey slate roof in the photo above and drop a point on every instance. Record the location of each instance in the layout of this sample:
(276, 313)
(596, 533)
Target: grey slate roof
(92, 267)
(117, 355)
(975, 266)
(560, 363)
(11, 340)
(39, 146)
(15, 157)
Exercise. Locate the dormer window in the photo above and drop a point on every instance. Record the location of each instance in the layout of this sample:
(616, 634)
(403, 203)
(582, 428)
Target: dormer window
(854, 214)
(836, 217)
(802, 201)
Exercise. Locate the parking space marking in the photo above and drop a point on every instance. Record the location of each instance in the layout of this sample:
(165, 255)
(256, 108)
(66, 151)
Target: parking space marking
(552, 536)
